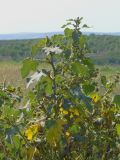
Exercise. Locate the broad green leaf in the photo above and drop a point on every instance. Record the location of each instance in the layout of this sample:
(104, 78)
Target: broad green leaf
(88, 88)
(74, 129)
(47, 85)
(50, 123)
(75, 36)
(116, 100)
(82, 41)
(28, 65)
(66, 103)
(67, 53)
(118, 129)
(68, 32)
(42, 43)
(10, 133)
(104, 80)
(54, 133)
(58, 78)
(89, 63)
(11, 113)
(16, 141)
(78, 68)
(57, 39)
(34, 50)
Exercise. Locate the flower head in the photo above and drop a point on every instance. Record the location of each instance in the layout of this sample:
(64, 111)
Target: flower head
(55, 50)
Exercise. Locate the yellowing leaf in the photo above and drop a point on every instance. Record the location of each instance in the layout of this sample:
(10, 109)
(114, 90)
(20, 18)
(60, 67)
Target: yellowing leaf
(61, 109)
(118, 129)
(67, 134)
(65, 112)
(53, 135)
(31, 131)
(71, 116)
(95, 97)
(74, 111)
(30, 153)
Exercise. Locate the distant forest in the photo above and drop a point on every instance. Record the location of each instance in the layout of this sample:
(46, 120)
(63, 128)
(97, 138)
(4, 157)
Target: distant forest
(105, 49)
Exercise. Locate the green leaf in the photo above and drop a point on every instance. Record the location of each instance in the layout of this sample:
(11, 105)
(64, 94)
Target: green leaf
(75, 128)
(57, 39)
(88, 88)
(118, 129)
(42, 43)
(70, 19)
(75, 36)
(85, 26)
(104, 80)
(89, 63)
(34, 50)
(46, 85)
(68, 32)
(16, 141)
(28, 65)
(58, 78)
(63, 26)
(116, 100)
(78, 68)
(10, 89)
(82, 41)
(50, 123)
(67, 53)
(54, 133)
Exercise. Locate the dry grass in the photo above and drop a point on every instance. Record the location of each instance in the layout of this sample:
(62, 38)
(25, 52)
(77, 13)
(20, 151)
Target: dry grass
(10, 73)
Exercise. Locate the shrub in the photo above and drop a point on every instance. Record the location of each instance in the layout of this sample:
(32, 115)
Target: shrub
(67, 116)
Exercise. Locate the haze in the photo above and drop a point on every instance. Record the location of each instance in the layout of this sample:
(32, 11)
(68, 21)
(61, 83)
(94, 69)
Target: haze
(49, 15)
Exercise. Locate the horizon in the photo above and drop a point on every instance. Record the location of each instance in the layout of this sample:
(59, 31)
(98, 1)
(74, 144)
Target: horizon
(27, 36)
(94, 32)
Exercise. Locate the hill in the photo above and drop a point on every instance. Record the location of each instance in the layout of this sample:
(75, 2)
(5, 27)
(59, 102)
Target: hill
(105, 49)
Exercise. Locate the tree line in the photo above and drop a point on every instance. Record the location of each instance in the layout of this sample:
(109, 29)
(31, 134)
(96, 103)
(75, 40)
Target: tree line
(104, 49)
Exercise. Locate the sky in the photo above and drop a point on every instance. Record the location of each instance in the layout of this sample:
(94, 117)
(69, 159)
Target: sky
(49, 15)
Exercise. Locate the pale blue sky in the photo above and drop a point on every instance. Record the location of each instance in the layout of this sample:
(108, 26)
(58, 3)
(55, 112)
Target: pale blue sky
(49, 15)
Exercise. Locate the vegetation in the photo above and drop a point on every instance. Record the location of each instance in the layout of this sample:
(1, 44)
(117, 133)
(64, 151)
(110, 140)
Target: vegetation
(65, 116)
(15, 49)
(105, 49)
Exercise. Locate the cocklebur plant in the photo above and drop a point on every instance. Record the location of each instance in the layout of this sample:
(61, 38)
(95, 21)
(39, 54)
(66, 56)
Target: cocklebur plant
(66, 115)
(79, 120)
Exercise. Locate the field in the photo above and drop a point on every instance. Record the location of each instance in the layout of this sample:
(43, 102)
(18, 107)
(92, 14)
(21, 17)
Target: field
(10, 73)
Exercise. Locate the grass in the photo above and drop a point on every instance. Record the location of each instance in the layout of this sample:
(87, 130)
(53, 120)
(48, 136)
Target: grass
(10, 73)
(109, 70)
